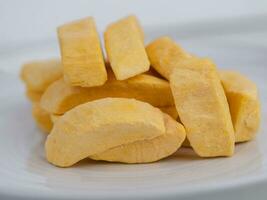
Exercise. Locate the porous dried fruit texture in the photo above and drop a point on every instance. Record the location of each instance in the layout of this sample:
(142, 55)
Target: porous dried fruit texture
(164, 54)
(37, 75)
(125, 48)
(147, 150)
(96, 126)
(42, 118)
(202, 107)
(61, 97)
(242, 96)
(81, 53)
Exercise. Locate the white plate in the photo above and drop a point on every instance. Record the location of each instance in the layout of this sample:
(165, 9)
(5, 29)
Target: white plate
(25, 174)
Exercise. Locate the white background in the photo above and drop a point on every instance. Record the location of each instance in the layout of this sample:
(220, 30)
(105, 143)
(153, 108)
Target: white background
(34, 20)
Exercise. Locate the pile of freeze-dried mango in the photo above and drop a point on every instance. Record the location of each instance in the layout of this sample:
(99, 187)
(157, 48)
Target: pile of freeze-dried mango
(140, 103)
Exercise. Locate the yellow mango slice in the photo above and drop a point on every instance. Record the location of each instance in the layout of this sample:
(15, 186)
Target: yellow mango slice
(164, 54)
(61, 97)
(42, 118)
(125, 48)
(146, 151)
(202, 107)
(170, 110)
(37, 75)
(34, 96)
(81, 53)
(96, 126)
(242, 96)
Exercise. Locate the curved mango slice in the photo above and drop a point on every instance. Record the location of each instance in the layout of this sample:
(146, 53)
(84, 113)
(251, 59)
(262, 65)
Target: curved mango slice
(61, 97)
(242, 96)
(96, 126)
(146, 151)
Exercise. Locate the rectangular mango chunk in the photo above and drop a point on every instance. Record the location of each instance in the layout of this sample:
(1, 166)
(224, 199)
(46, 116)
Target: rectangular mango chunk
(202, 107)
(244, 104)
(37, 75)
(61, 97)
(125, 48)
(242, 96)
(81, 53)
(164, 54)
(42, 118)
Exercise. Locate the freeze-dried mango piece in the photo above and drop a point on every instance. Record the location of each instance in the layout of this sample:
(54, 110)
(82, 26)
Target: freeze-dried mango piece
(202, 107)
(37, 75)
(34, 96)
(81, 53)
(61, 97)
(242, 96)
(42, 118)
(170, 110)
(99, 125)
(125, 48)
(147, 150)
(243, 100)
(164, 54)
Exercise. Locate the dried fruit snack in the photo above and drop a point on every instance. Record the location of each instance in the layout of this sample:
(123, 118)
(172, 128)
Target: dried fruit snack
(164, 54)
(242, 96)
(99, 125)
(202, 107)
(125, 48)
(81, 53)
